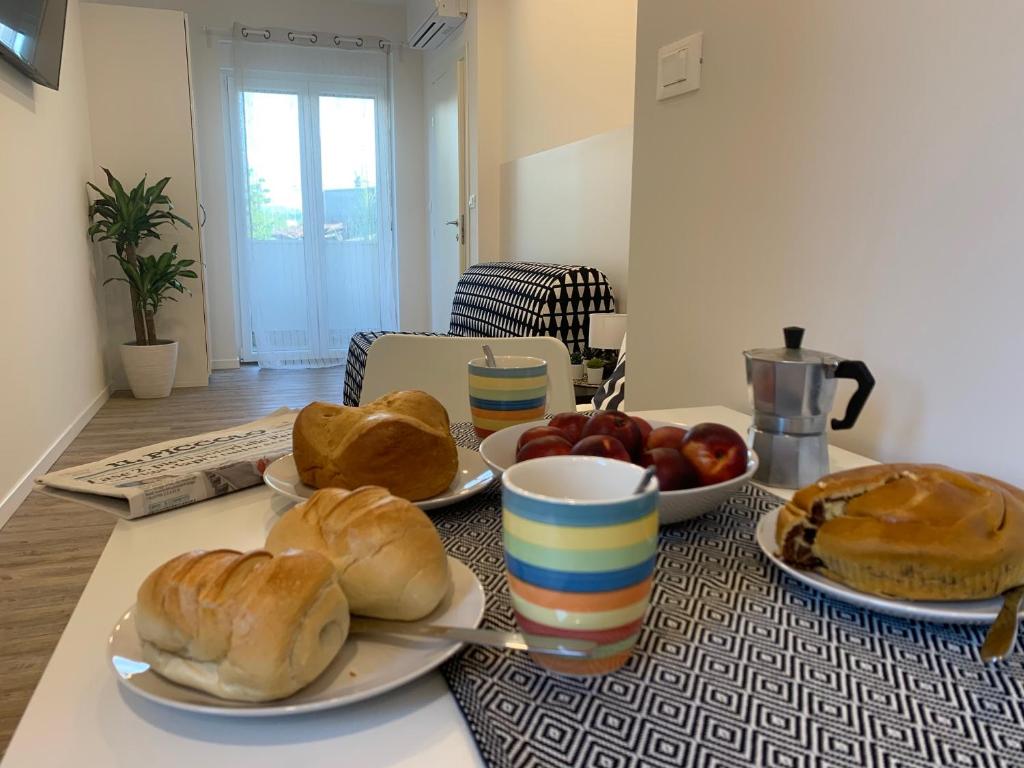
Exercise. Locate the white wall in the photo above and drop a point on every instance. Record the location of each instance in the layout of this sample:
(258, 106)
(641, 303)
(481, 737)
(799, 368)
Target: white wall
(330, 15)
(544, 75)
(411, 192)
(151, 137)
(856, 168)
(570, 205)
(568, 72)
(50, 315)
(567, 139)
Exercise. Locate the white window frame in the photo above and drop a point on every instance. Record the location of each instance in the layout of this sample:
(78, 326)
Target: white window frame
(307, 88)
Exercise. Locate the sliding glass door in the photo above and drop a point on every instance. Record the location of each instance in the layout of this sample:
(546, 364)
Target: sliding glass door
(314, 225)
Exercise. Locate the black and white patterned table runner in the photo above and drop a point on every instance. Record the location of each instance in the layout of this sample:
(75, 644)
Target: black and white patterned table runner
(737, 665)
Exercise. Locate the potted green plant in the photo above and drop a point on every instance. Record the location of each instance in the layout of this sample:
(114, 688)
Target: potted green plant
(576, 365)
(127, 219)
(595, 370)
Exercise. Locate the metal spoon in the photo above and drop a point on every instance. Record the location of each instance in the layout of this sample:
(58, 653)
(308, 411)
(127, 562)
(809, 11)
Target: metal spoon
(644, 481)
(1003, 633)
(491, 362)
(553, 646)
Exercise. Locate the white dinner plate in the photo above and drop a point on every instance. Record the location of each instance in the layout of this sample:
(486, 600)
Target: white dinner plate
(472, 477)
(945, 612)
(366, 666)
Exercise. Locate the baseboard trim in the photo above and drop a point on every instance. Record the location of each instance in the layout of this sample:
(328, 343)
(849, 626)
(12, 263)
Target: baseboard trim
(183, 384)
(225, 364)
(24, 486)
(187, 383)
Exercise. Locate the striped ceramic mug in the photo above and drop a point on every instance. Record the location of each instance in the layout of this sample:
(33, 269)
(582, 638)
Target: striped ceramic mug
(580, 549)
(514, 392)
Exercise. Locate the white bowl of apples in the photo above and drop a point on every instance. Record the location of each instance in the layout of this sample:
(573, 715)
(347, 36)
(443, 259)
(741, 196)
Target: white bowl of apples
(697, 467)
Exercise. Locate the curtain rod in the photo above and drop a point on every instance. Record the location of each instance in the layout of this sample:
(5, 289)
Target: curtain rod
(305, 38)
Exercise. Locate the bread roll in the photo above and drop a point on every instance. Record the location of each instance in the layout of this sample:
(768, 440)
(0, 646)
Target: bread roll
(910, 531)
(389, 558)
(248, 627)
(400, 442)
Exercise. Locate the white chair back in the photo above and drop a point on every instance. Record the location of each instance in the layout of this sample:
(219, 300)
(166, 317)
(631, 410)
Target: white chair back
(437, 365)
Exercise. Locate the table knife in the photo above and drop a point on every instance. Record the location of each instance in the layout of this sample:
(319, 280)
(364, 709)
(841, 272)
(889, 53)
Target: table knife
(1003, 632)
(556, 646)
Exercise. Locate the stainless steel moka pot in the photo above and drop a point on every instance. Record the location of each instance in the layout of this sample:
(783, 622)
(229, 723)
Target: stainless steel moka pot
(792, 389)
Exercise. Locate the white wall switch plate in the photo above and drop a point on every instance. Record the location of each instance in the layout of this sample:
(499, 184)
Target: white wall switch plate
(679, 66)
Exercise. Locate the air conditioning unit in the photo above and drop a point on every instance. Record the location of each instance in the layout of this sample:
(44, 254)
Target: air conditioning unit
(431, 22)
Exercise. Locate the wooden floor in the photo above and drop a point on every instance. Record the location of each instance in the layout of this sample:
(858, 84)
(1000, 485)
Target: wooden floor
(49, 548)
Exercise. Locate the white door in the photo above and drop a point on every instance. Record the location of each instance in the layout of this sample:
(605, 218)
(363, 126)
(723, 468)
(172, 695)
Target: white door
(445, 212)
(316, 234)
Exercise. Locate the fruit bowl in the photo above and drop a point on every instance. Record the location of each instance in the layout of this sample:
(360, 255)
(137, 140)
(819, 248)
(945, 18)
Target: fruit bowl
(499, 453)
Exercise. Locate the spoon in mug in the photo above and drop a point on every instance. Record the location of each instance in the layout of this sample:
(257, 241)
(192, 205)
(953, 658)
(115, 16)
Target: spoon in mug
(491, 362)
(645, 480)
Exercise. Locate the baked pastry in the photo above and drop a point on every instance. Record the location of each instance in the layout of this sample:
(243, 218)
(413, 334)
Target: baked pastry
(400, 441)
(910, 531)
(249, 627)
(389, 558)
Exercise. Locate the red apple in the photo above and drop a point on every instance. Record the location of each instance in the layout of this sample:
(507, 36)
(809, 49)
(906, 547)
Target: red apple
(645, 428)
(571, 423)
(673, 470)
(666, 437)
(551, 445)
(717, 452)
(601, 445)
(618, 425)
(534, 432)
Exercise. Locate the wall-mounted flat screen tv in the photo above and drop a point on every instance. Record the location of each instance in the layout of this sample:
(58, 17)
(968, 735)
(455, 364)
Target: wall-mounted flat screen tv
(32, 37)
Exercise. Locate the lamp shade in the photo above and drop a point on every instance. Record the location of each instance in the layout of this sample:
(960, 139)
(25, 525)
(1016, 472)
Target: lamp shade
(606, 331)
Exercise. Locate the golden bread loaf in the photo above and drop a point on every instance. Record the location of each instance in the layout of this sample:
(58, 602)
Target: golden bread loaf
(387, 553)
(248, 627)
(400, 441)
(910, 531)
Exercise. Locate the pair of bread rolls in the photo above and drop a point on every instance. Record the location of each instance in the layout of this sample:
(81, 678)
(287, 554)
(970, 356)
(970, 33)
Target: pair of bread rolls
(261, 625)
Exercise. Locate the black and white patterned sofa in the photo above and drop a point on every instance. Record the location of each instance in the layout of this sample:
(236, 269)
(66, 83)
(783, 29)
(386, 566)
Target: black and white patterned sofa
(509, 299)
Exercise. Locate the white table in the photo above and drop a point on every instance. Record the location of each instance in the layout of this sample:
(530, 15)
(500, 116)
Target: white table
(79, 715)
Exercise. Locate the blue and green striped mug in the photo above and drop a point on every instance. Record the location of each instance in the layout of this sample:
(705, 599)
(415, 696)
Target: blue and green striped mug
(514, 392)
(580, 549)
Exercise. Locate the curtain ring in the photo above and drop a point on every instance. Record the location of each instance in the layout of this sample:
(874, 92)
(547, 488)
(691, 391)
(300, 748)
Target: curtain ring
(359, 42)
(266, 34)
(337, 40)
(245, 32)
(380, 44)
(313, 38)
(291, 37)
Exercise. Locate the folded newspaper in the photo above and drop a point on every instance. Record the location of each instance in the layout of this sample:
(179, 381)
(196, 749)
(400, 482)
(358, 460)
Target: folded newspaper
(179, 472)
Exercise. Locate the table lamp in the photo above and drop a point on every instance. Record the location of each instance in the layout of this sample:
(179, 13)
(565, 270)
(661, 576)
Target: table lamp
(607, 331)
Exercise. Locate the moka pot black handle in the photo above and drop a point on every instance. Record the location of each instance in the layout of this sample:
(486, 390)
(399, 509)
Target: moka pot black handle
(858, 371)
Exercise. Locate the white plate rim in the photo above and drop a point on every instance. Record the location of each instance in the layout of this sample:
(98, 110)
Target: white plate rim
(952, 612)
(272, 477)
(281, 708)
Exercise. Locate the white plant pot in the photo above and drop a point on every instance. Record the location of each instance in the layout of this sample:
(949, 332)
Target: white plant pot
(595, 375)
(577, 371)
(150, 369)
